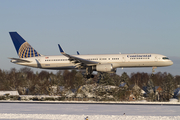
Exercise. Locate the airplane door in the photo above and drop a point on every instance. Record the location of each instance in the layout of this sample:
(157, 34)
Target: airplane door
(156, 59)
(124, 59)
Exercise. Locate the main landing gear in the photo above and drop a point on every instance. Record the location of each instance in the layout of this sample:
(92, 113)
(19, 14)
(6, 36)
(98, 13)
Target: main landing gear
(88, 73)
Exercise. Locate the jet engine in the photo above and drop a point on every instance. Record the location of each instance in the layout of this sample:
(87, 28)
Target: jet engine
(105, 68)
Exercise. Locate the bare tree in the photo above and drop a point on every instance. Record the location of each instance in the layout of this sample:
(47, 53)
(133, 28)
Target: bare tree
(177, 80)
(106, 79)
(168, 86)
(139, 79)
(116, 78)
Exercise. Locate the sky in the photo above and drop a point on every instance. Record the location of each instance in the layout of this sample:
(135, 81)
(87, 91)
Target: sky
(93, 27)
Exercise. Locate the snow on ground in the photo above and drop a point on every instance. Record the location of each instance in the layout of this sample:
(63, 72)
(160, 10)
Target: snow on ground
(35, 111)
(82, 117)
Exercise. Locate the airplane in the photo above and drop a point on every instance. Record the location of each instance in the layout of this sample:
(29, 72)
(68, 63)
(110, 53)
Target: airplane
(28, 56)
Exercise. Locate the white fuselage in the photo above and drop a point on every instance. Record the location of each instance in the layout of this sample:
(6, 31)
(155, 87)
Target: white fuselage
(117, 61)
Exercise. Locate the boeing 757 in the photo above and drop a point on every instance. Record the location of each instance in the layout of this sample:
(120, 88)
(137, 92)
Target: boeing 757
(28, 56)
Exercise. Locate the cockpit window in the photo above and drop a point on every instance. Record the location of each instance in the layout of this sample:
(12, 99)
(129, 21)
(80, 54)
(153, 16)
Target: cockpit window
(165, 58)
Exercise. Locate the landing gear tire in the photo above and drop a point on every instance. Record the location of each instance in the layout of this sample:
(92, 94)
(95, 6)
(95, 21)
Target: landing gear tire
(152, 75)
(89, 73)
(92, 76)
(89, 76)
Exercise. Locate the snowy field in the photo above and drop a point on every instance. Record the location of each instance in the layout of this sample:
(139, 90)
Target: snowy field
(35, 111)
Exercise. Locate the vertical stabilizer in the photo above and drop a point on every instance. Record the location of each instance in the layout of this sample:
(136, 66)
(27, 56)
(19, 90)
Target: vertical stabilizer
(23, 48)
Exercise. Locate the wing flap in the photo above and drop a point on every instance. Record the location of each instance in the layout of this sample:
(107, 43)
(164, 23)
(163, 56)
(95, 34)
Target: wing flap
(75, 60)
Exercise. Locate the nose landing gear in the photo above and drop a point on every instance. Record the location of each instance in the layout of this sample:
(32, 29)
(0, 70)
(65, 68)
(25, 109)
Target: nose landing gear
(153, 71)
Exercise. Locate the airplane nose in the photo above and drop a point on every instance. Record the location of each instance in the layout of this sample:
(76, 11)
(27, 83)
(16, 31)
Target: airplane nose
(171, 63)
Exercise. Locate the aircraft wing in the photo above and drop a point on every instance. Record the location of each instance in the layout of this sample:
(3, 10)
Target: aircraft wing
(79, 62)
(19, 60)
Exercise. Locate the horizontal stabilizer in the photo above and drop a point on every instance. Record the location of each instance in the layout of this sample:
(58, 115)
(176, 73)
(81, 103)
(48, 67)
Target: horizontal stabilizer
(20, 60)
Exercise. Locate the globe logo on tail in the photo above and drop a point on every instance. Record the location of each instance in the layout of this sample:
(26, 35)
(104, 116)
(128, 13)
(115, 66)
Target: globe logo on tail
(26, 51)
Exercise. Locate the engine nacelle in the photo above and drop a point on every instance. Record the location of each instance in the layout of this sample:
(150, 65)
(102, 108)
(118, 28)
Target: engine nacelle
(105, 68)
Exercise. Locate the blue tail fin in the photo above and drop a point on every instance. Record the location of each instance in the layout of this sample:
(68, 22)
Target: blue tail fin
(23, 48)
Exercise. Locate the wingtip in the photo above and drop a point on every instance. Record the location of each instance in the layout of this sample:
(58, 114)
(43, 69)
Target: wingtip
(78, 53)
(61, 50)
